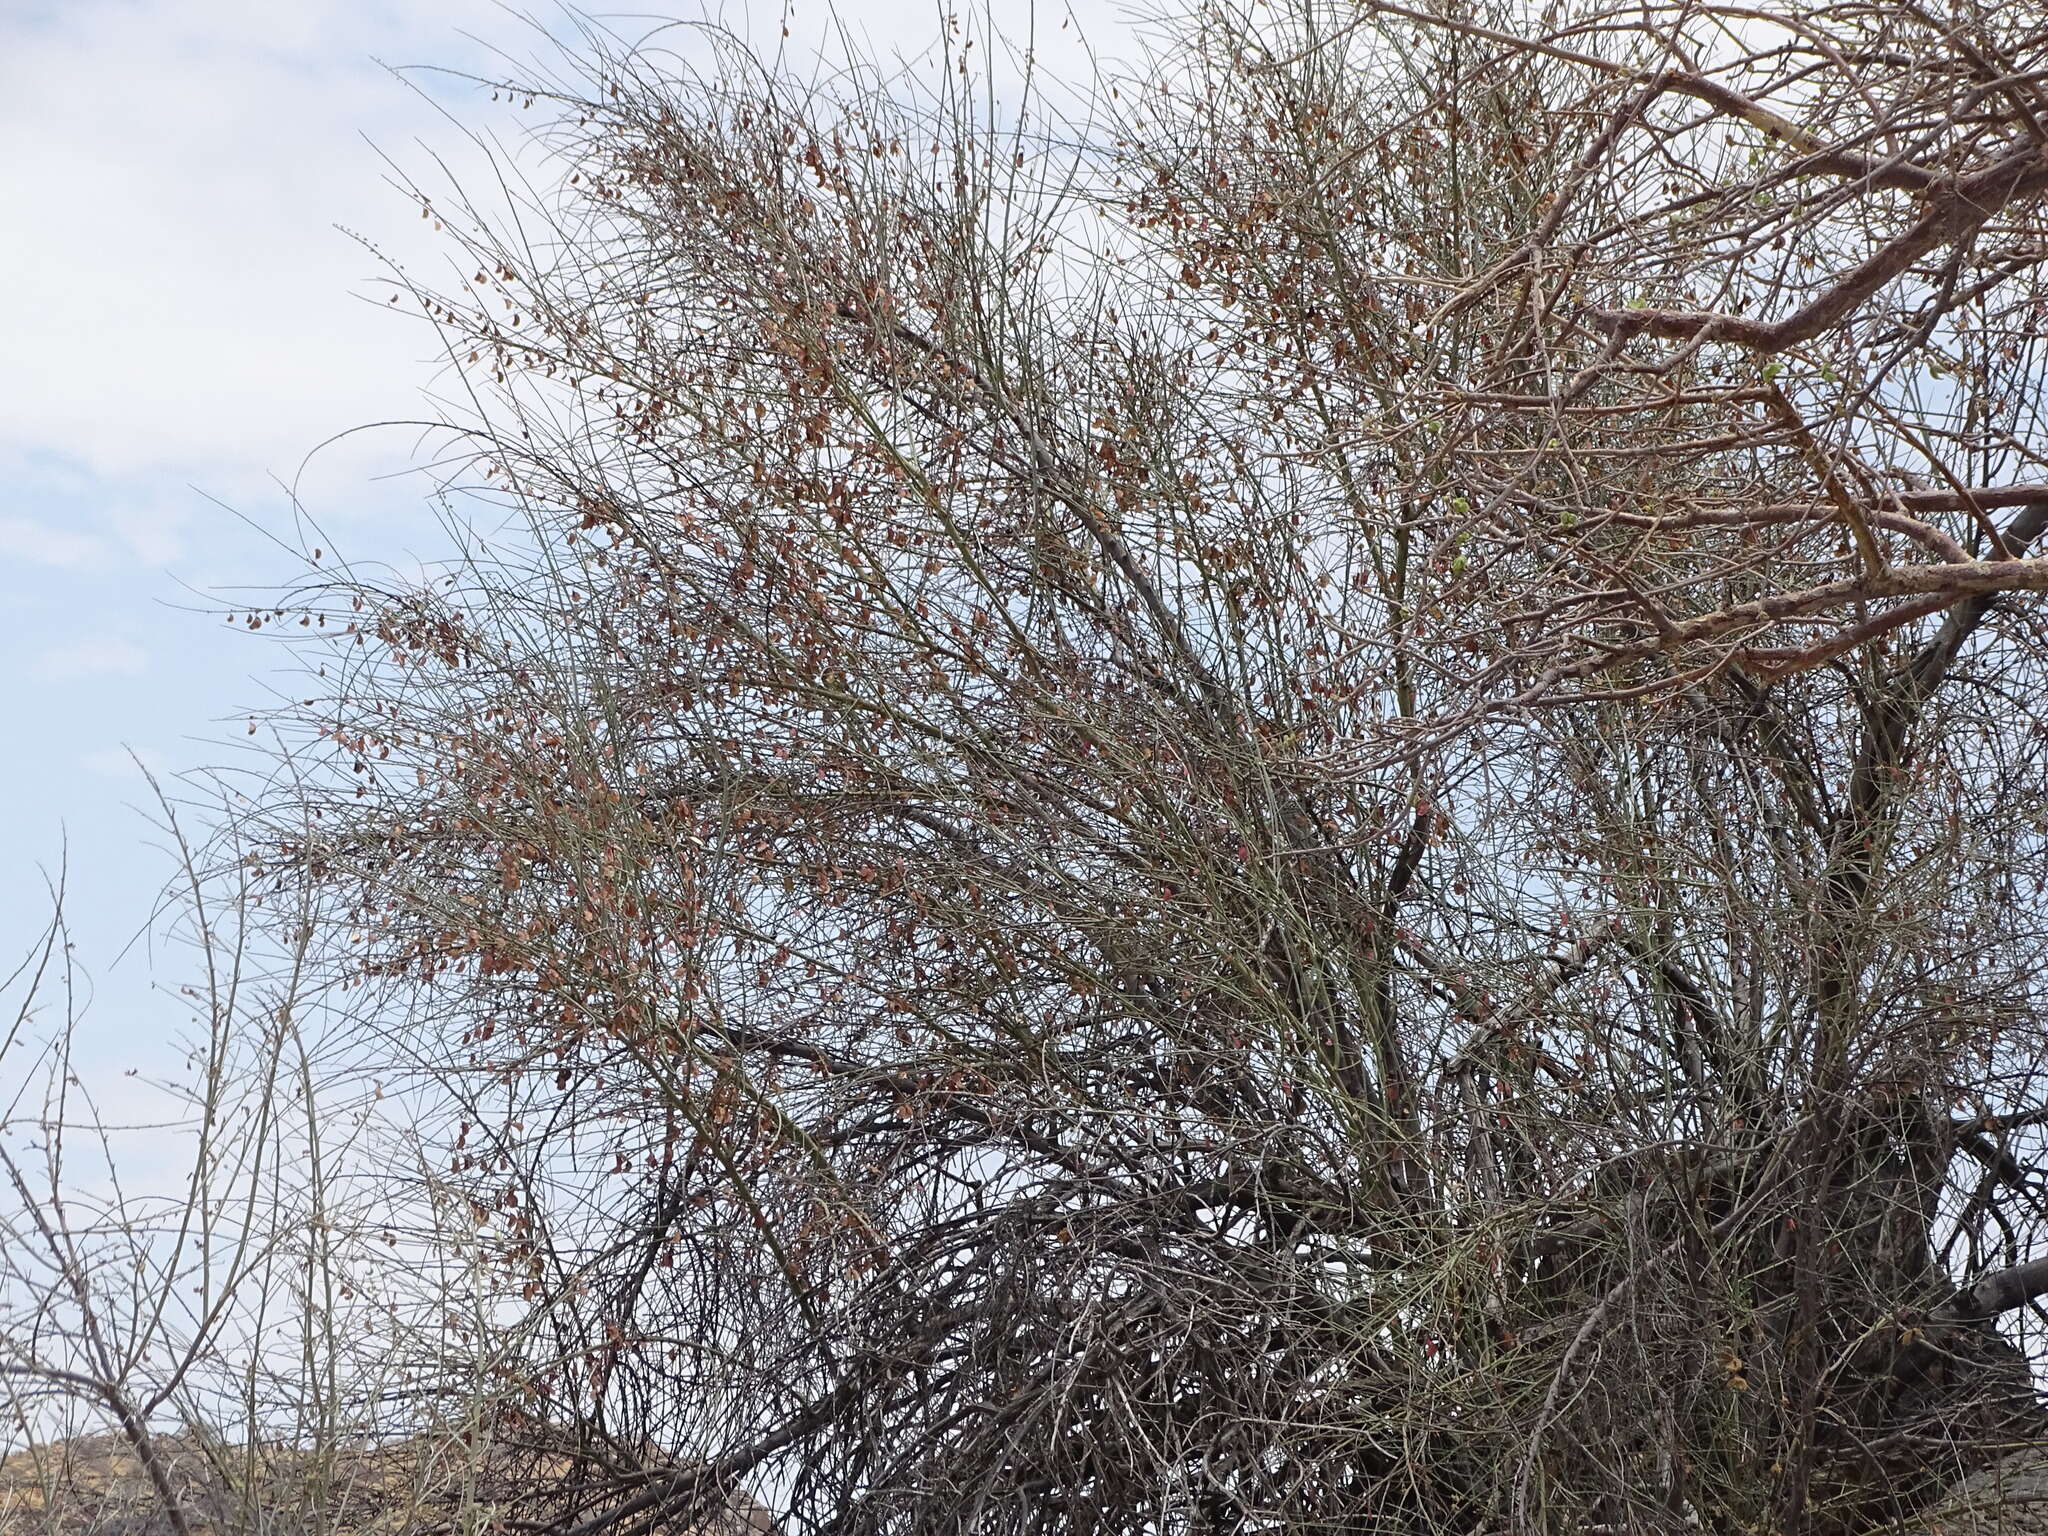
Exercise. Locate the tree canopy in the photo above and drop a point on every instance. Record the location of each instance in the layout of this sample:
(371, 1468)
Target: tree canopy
(1298, 790)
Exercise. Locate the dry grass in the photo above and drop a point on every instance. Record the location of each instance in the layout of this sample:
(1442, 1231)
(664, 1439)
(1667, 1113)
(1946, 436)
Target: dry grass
(92, 1484)
(96, 1486)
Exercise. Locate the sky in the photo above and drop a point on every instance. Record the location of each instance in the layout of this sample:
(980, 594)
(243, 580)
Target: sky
(197, 342)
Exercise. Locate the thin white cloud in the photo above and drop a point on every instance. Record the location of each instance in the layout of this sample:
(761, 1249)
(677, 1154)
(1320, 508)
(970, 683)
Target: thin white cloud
(24, 539)
(98, 656)
(176, 270)
(152, 533)
(173, 258)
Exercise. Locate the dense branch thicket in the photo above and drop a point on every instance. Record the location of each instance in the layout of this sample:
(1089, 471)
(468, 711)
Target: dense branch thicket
(1307, 799)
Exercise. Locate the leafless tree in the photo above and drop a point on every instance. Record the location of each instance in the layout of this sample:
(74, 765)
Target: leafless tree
(191, 1340)
(1299, 792)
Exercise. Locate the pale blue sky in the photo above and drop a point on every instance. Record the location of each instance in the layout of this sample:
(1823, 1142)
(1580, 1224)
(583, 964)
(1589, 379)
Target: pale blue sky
(184, 324)
(181, 322)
